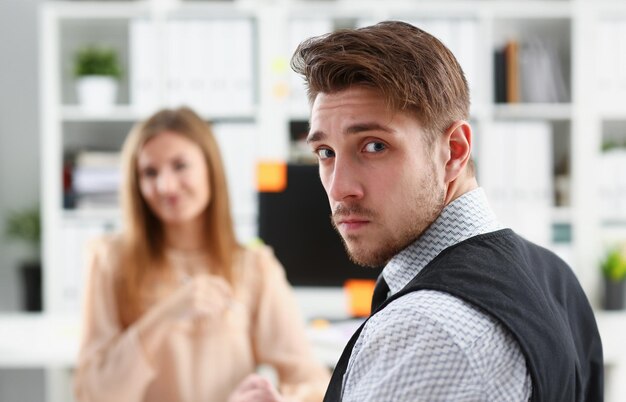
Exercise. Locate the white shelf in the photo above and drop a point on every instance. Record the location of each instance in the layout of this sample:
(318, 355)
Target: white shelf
(92, 214)
(612, 326)
(433, 8)
(538, 111)
(118, 113)
(562, 215)
(535, 9)
(614, 220)
(37, 340)
(301, 113)
(570, 23)
(101, 10)
(271, 115)
(609, 8)
(615, 111)
(125, 113)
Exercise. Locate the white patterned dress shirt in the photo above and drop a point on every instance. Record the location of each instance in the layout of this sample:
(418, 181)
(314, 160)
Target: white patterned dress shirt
(429, 345)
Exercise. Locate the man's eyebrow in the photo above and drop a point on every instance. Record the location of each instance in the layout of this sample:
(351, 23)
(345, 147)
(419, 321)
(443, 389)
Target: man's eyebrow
(315, 136)
(358, 128)
(354, 129)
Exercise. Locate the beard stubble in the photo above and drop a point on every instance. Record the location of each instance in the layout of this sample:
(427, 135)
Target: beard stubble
(427, 202)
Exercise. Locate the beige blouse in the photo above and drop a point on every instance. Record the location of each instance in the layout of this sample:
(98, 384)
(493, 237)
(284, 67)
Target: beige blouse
(196, 362)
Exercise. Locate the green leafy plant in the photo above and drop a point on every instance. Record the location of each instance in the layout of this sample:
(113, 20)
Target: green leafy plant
(610, 144)
(614, 265)
(25, 225)
(93, 60)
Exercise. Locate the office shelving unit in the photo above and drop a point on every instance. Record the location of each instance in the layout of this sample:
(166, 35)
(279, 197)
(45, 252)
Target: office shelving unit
(578, 123)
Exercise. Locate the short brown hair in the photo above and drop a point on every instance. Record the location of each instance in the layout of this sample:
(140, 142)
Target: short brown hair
(412, 69)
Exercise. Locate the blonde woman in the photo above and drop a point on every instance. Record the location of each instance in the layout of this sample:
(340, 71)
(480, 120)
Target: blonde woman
(176, 309)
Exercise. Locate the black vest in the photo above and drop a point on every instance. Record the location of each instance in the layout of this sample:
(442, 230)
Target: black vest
(535, 295)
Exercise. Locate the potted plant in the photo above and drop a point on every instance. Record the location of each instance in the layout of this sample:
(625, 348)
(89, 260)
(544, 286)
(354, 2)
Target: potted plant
(98, 71)
(25, 226)
(614, 272)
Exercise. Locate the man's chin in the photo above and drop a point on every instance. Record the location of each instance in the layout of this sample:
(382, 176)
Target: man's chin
(377, 255)
(368, 258)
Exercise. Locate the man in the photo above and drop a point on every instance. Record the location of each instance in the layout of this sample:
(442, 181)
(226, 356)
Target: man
(473, 312)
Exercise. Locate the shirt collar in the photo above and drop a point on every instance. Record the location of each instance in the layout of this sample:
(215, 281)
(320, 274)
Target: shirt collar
(467, 216)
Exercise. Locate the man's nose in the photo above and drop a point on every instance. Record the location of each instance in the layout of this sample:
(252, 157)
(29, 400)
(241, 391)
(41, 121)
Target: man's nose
(345, 180)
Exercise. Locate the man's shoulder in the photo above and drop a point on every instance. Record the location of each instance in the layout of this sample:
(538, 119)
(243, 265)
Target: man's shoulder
(431, 313)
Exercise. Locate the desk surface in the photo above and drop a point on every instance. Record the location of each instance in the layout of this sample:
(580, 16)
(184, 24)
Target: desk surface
(38, 340)
(51, 342)
(42, 341)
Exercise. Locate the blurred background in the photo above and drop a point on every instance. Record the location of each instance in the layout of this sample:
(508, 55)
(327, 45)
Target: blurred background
(547, 81)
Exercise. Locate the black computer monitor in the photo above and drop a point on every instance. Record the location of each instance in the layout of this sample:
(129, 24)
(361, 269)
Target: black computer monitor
(296, 224)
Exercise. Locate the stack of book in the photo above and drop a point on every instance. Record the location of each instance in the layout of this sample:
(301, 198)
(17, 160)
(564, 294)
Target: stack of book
(205, 64)
(95, 179)
(461, 37)
(612, 184)
(529, 72)
(520, 191)
(611, 61)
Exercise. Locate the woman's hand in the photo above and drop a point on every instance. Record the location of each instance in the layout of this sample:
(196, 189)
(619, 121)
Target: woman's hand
(202, 296)
(255, 388)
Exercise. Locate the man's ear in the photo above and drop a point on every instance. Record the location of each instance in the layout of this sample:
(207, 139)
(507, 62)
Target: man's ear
(459, 143)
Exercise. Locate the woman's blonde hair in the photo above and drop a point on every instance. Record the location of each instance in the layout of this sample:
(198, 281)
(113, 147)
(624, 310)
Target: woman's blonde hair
(143, 232)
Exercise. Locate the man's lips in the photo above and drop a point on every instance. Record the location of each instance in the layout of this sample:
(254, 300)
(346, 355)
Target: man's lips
(352, 223)
(350, 218)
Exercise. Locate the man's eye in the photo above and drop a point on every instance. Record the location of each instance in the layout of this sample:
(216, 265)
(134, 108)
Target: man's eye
(375, 147)
(324, 153)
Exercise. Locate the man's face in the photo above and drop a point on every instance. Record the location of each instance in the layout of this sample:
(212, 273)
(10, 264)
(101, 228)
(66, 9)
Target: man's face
(384, 184)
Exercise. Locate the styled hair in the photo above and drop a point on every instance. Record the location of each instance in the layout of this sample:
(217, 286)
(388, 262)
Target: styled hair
(412, 69)
(143, 232)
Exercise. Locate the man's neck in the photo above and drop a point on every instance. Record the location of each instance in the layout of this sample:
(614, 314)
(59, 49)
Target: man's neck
(460, 186)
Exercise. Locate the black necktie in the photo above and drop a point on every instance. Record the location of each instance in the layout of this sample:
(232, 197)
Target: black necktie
(380, 293)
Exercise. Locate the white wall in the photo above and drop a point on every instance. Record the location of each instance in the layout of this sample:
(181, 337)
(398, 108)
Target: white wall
(19, 130)
(19, 162)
